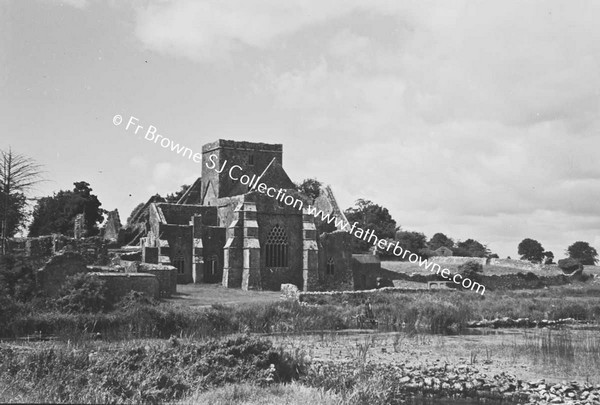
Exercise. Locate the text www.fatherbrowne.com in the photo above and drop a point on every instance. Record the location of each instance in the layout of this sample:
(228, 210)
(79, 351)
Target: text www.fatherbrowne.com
(150, 134)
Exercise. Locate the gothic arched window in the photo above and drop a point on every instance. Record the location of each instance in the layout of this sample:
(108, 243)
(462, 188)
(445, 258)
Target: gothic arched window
(330, 266)
(276, 248)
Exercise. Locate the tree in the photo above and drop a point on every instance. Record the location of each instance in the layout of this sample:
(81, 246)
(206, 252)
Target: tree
(416, 242)
(438, 240)
(56, 214)
(583, 252)
(16, 212)
(531, 249)
(173, 198)
(310, 188)
(134, 212)
(549, 257)
(370, 216)
(18, 174)
(471, 248)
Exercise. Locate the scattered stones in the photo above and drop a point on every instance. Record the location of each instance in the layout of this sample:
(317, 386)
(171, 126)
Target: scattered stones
(465, 382)
(518, 323)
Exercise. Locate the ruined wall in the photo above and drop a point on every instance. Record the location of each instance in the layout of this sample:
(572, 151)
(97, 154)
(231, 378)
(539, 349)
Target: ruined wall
(180, 247)
(52, 276)
(113, 226)
(36, 251)
(179, 214)
(166, 276)
(213, 242)
(457, 260)
(119, 284)
(365, 270)
(335, 246)
(269, 214)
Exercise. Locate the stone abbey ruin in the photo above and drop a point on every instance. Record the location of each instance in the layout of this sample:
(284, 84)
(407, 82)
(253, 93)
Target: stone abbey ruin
(220, 231)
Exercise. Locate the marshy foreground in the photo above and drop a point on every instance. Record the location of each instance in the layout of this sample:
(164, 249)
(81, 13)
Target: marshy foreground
(284, 352)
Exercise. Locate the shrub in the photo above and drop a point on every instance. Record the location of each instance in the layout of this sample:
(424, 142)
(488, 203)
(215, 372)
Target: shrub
(17, 279)
(154, 373)
(569, 266)
(134, 299)
(83, 293)
(471, 270)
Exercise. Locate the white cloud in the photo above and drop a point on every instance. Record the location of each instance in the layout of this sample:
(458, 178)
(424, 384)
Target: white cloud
(481, 116)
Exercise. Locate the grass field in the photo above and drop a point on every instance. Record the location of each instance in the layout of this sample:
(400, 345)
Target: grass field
(205, 295)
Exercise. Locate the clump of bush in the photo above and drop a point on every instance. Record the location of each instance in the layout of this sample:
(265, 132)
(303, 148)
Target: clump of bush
(157, 373)
(569, 266)
(83, 292)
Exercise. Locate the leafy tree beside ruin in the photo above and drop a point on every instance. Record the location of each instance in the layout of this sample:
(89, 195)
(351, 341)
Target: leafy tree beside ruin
(56, 214)
(583, 252)
(370, 216)
(310, 188)
(531, 249)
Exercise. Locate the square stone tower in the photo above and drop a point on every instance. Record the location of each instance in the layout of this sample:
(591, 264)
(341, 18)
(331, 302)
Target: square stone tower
(253, 158)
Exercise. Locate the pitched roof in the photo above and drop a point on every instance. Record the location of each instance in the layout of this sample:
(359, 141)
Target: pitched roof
(193, 195)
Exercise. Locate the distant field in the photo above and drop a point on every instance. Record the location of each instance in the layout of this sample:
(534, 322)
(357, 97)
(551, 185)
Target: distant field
(408, 268)
(592, 270)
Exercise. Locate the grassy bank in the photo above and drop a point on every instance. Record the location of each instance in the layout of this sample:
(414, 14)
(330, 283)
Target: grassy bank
(427, 312)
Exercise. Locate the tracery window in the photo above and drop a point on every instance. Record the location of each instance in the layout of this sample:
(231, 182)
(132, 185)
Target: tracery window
(276, 248)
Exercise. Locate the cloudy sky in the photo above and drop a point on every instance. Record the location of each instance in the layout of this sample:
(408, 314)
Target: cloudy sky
(477, 119)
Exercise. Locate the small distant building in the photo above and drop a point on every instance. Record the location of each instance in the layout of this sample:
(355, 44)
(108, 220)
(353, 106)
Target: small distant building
(443, 251)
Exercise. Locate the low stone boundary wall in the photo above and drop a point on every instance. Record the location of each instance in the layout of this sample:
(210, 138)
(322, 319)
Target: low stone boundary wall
(291, 292)
(457, 260)
(119, 284)
(517, 264)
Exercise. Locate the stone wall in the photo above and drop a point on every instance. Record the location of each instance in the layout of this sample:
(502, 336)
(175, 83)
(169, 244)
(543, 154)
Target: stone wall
(495, 282)
(313, 296)
(335, 246)
(166, 276)
(119, 284)
(269, 214)
(54, 273)
(458, 260)
(365, 270)
(38, 250)
(517, 264)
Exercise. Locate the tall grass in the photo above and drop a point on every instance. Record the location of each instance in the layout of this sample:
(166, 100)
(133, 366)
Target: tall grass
(562, 352)
(141, 372)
